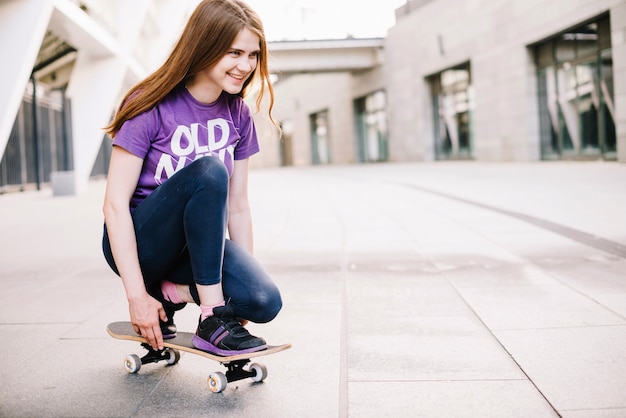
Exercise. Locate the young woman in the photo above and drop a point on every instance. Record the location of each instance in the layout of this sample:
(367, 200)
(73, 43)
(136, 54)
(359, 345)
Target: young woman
(178, 227)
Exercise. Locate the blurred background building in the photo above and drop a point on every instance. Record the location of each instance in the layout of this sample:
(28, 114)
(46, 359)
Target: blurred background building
(487, 80)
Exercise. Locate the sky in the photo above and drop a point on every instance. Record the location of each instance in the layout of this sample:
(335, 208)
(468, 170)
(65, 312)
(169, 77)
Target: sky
(325, 19)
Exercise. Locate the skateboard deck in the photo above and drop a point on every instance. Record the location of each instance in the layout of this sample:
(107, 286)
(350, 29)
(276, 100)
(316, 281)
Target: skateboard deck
(217, 381)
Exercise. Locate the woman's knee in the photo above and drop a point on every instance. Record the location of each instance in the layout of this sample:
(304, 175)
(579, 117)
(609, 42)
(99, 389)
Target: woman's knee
(265, 305)
(210, 171)
(249, 286)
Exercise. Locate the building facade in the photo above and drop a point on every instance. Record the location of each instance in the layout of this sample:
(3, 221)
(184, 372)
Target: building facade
(488, 80)
(66, 64)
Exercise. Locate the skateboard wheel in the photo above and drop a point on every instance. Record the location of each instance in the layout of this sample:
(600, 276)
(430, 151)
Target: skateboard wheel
(217, 382)
(132, 363)
(172, 356)
(260, 372)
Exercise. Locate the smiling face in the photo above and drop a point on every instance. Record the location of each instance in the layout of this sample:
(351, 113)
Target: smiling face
(230, 72)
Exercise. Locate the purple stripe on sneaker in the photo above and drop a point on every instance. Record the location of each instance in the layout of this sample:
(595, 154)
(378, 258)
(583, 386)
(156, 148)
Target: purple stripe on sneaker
(217, 333)
(203, 345)
(220, 338)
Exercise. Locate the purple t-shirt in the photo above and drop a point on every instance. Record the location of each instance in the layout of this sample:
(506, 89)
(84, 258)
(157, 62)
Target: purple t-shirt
(180, 130)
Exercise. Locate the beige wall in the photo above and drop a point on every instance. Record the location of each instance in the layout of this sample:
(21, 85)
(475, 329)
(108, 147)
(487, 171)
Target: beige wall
(300, 96)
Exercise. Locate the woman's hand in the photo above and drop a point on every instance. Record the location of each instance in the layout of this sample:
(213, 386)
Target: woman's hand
(145, 313)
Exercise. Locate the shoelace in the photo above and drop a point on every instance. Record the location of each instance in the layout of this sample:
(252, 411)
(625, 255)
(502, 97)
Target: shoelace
(234, 327)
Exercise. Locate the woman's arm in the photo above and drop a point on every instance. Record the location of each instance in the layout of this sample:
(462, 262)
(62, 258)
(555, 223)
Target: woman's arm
(239, 216)
(124, 170)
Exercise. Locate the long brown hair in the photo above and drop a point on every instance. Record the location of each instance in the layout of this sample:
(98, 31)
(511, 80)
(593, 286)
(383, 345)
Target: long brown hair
(207, 37)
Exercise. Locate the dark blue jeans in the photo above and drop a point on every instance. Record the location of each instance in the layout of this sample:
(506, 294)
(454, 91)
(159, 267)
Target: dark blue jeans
(181, 237)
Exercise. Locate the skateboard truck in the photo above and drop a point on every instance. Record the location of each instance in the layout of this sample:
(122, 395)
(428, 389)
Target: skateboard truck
(133, 363)
(235, 371)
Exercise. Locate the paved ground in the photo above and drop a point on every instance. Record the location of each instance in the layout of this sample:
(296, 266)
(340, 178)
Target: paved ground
(436, 290)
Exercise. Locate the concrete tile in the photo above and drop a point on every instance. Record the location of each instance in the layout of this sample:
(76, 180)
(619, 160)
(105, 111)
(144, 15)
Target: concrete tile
(61, 378)
(591, 272)
(311, 329)
(491, 398)
(616, 302)
(600, 276)
(521, 296)
(57, 296)
(427, 348)
(576, 368)
(94, 326)
(426, 332)
(402, 295)
(595, 413)
(308, 284)
(13, 349)
(413, 265)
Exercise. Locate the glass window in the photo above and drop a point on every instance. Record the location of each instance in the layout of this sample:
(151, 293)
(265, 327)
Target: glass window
(451, 92)
(607, 107)
(320, 150)
(372, 131)
(575, 93)
(548, 114)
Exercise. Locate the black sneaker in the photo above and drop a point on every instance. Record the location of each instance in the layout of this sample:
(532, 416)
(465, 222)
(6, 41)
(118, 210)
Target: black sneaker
(223, 335)
(168, 329)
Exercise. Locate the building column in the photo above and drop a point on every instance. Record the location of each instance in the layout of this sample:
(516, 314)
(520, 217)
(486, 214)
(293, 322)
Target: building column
(23, 25)
(94, 89)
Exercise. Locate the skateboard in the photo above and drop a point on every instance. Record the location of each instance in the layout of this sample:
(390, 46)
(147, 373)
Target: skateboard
(217, 381)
